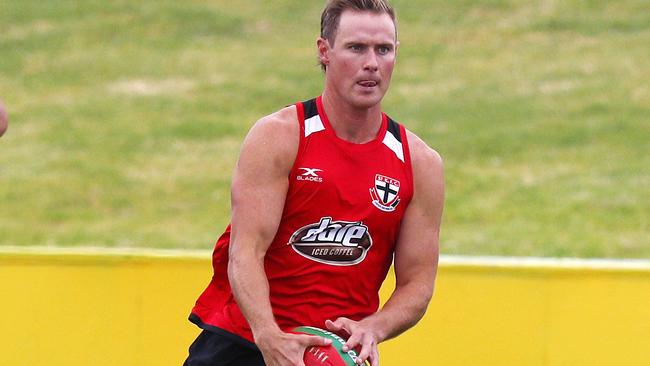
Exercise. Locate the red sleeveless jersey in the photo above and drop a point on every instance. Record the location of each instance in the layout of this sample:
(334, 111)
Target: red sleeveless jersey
(337, 234)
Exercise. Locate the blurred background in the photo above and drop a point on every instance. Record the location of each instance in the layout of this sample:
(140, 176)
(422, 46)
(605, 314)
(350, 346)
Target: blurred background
(126, 117)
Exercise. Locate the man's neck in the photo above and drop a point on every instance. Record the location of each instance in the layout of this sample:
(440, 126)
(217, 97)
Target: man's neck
(356, 125)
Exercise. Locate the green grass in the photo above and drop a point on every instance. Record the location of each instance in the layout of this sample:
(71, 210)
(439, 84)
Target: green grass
(126, 117)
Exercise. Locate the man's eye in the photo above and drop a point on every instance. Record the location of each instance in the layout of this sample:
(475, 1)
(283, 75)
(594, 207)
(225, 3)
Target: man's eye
(384, 50)
(355, 47)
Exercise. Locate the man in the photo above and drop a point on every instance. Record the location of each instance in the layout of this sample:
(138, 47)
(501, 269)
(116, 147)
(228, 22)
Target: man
(3, 119)
(326, 193)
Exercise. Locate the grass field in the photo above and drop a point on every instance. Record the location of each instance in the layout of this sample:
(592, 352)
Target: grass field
(126, 117)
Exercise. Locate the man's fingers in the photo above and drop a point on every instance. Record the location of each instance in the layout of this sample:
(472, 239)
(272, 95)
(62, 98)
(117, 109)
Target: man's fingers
(351, 343)
(363, 356)
(315, 341)
(332, 326)
(359, 338)
(374, 357)
(368, 349)
(339, 324)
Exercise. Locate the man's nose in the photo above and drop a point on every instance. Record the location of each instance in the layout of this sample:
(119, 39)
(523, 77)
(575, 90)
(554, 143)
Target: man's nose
(370, 62)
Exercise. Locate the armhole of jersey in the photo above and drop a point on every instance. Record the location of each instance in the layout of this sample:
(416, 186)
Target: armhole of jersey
(300, 112)
(407, 158)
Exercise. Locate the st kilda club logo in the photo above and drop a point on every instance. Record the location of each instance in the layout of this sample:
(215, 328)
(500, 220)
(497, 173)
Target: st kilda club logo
(385, 193)
(339, 243)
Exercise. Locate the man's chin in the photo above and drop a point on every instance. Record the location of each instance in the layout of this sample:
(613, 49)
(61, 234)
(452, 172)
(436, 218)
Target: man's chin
(366, 100)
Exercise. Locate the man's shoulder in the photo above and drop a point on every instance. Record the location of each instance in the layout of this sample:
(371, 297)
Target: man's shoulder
(428, 176)
(275, 138)
(422, 155)
(284, 120)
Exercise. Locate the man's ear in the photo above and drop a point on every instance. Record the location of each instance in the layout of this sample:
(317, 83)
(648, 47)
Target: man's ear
(396, 49)
(323, 46)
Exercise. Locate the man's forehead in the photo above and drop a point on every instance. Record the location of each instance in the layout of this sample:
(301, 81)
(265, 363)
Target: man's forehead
(366, 25)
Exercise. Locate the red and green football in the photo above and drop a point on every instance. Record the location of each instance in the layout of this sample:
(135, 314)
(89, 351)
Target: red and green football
(331, 355)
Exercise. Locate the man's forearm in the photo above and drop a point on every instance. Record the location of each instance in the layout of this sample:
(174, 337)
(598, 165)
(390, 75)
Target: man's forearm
(406, 306)
(251, 290)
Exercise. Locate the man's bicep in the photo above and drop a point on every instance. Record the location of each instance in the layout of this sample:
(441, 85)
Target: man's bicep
(260, 183)
(416, 254)
(257, 201)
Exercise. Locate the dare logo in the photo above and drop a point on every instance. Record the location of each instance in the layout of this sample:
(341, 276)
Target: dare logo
(339, 243)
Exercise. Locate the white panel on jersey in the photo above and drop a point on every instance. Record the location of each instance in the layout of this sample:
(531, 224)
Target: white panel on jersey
(395, 145)
(313, 124)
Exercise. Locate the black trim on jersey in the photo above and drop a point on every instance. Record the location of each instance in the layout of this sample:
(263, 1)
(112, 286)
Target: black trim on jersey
(211, 328)
(393, 128)
(310, 108)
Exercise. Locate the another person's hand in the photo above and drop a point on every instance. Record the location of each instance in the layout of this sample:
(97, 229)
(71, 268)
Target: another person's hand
(361, 335)
(3, 119)
(287, 349)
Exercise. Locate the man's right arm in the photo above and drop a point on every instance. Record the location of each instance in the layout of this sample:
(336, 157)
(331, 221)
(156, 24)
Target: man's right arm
(3, 119)
(259, 188)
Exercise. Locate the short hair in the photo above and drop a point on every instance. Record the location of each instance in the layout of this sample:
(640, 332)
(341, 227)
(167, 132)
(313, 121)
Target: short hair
(330, 19)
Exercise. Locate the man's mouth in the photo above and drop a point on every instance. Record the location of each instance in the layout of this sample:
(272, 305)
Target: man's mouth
(367, 83)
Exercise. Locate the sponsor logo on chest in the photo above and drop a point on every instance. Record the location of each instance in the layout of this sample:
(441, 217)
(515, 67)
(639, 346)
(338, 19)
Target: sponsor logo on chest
(339, 243)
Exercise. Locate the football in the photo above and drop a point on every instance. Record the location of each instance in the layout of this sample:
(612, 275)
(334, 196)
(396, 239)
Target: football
(331, 355)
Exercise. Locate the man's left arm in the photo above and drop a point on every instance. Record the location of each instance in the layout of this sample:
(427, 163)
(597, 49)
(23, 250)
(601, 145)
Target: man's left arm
(416, 260)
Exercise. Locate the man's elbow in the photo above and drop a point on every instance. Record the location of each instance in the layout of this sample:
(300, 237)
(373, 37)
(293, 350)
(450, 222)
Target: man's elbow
(425, 296)
(418, 311)
(234, 264)
(420, 297)
(241, 258)
(424, 304)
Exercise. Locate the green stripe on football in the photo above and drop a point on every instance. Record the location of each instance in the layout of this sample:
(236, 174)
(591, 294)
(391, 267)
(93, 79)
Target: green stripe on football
(331, 355)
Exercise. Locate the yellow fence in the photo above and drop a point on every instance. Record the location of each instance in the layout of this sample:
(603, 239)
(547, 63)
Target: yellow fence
(124, 308)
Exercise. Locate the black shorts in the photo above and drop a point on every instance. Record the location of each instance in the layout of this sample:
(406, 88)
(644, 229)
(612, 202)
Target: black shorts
(220, 348)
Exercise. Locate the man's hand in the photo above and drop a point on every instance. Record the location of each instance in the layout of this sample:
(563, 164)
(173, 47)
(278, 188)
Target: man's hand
(361, 335)
(287, 349)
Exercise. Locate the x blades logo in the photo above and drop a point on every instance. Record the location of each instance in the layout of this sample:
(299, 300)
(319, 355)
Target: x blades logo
(310, 175)
(385, 193)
